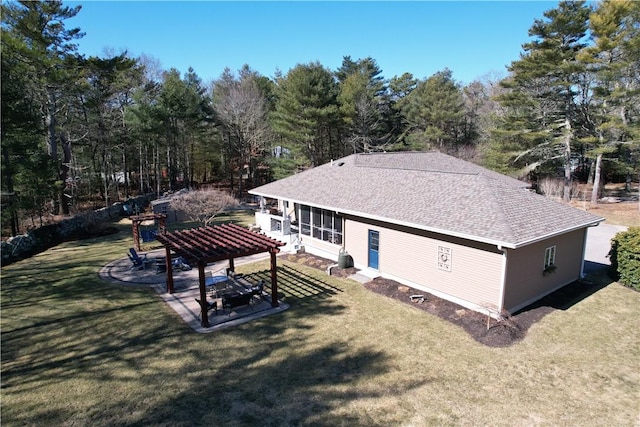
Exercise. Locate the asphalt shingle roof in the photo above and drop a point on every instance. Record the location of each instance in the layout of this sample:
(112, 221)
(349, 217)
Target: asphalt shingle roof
(431, 191)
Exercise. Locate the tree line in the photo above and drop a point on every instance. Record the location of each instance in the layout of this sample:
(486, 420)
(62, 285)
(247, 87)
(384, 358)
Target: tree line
(79, 129)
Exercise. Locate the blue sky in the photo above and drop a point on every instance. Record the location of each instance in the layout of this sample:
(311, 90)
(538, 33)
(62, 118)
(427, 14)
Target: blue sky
(470, 38)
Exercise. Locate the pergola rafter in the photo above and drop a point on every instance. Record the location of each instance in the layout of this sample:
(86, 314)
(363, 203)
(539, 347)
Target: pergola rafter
(205, 245)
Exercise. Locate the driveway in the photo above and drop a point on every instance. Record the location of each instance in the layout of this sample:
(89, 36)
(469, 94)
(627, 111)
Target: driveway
(598, 246)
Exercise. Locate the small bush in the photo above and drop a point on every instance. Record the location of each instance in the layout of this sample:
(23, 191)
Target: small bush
(625, 257)
(552, 188)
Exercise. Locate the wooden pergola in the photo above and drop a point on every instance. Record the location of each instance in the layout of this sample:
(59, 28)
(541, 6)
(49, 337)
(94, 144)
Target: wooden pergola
(204, 245)
(136, 220)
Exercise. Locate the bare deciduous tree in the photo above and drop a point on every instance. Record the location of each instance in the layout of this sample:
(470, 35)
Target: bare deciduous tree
(203, 205)
(241, 106)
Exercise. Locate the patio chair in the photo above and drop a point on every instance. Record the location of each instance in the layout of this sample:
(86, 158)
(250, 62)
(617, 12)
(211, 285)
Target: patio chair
(181, 263)
(220, 288)
(257, 290)
(210, 305)
(138, 261)
(148, 235)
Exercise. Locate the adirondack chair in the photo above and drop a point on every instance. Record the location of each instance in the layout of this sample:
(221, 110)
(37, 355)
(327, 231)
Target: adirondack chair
(139, 262)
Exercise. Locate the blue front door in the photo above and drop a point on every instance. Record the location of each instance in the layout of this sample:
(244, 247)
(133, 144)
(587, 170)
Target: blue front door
(374, 244)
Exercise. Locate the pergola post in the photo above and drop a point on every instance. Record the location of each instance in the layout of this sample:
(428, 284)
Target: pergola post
(203, 296)
(169, 265)
(136, 234)
(274, 280)
(136, 220)
(162, 224)
(209, 244)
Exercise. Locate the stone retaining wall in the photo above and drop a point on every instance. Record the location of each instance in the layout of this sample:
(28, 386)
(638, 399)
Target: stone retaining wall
(82, 225)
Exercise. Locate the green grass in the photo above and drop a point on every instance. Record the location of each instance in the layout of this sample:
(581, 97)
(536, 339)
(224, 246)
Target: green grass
(79, 351)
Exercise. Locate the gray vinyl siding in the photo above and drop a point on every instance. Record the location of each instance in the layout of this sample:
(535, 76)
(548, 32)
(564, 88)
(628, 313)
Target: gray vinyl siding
(525, 282)
(475, 276)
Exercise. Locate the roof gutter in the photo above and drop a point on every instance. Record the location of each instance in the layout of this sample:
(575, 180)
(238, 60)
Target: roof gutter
(556, 233)
(403, 223)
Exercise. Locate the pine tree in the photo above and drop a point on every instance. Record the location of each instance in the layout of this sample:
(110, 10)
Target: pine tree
(545, 84)
(434, 112)
(615, 61)
(363, 105)
(306, 113)
(38, 37)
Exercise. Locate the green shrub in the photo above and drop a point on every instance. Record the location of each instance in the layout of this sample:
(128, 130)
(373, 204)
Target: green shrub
(625, 257)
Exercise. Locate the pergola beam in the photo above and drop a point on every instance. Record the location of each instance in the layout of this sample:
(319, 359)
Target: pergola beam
(136, 220)
(205, 245)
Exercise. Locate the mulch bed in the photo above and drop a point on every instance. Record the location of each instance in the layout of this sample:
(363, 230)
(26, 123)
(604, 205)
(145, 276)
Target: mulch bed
(485, 330)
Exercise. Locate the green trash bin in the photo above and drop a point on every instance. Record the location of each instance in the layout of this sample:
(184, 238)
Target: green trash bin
(345, 260)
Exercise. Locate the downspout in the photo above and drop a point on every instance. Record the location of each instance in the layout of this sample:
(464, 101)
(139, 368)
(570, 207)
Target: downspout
(504, 279)
(584, 252)
(299, 214)
(344, 232)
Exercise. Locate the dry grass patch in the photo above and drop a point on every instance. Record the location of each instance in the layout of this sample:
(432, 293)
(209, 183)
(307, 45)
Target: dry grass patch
(79, 351)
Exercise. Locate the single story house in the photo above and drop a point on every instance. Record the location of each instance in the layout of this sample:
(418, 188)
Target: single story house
(433, 222)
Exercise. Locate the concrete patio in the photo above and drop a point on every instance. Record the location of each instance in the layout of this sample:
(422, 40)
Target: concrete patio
(183, 300)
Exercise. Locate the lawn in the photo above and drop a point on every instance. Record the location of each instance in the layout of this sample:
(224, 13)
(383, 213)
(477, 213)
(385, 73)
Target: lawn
(80, 351)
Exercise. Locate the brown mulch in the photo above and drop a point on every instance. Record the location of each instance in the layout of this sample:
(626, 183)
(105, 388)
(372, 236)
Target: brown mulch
(485, 330)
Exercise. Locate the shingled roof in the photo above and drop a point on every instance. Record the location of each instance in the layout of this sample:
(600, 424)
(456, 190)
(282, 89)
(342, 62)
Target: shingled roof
(435, 192)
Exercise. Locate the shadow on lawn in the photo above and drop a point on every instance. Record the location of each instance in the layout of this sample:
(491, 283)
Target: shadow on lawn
(301, 389)
(295, 286)
(108, 337)
(279, 378)
(66, 331)
(573, 293)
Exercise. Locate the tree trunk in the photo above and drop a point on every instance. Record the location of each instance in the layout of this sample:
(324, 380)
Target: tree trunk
(105, 174)
(64, 172)
(158, 171)
(50, 122)
(592, 170)
(8, 180)
(566, 196)
(596, 181)
(125, 171)
(52, 143)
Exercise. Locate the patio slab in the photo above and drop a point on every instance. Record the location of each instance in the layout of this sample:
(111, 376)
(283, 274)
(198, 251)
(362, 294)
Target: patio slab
(186, 290)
